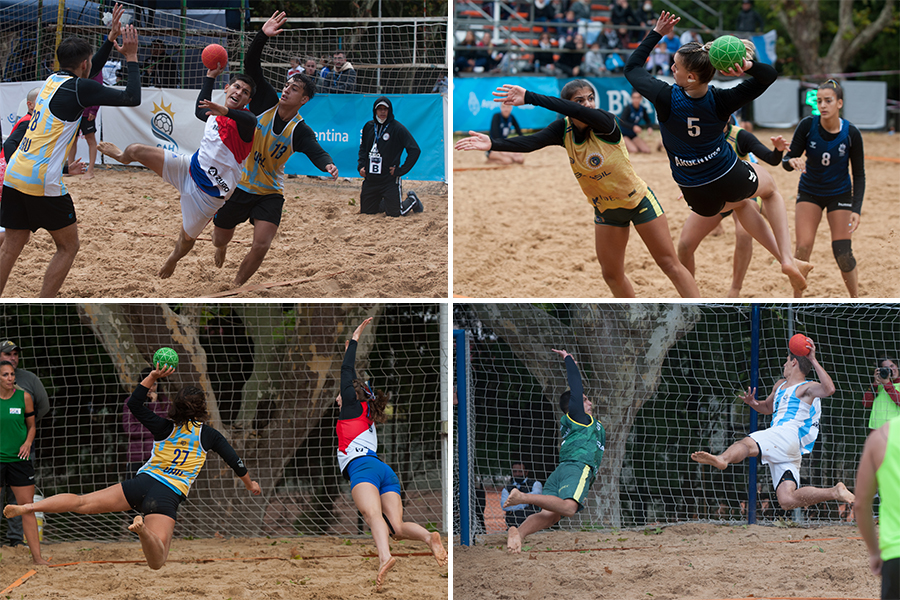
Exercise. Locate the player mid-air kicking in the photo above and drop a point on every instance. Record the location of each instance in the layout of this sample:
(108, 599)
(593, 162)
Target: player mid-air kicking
(580, 453)
(796, 406)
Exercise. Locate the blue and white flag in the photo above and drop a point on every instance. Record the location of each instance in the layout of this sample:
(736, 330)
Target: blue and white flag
(765, 47)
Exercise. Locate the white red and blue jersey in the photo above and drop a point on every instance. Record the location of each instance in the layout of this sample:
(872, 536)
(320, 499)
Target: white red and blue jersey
(790, 411)
(356, 437)
(216, 167)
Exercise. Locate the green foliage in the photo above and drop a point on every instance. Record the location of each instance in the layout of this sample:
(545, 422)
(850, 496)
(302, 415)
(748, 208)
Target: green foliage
(350, 8)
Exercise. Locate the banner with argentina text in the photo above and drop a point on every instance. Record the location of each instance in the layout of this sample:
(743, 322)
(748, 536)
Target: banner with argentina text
(165, 118)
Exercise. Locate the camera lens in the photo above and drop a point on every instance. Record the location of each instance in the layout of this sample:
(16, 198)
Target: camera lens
(884, 372)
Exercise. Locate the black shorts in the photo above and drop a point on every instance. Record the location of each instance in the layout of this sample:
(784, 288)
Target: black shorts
(87, 126)
(23, 211)
(839, 202)
(707, 200)
(151, 496)
(17, 474)
(890, 579)
(243, 205)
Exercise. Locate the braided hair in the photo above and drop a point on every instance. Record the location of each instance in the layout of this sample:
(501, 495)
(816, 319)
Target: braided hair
(695, 58)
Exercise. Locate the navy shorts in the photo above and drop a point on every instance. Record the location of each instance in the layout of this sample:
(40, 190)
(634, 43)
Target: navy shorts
(368, 469)
(243, 206)
(839, 202)
(16, 474)
(150, 496)
(708, 200)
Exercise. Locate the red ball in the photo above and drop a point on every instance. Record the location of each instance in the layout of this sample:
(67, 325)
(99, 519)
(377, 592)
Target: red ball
(798, 343)
(212, 54)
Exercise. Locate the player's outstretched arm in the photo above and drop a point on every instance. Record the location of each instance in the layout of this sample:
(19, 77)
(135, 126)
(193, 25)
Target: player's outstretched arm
(250, 485)
(475, 141)
(825, 386)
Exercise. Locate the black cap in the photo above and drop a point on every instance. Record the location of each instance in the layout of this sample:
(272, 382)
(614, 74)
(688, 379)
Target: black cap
(8, 346)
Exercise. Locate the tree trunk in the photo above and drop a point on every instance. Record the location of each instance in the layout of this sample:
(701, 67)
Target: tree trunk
(618, 375)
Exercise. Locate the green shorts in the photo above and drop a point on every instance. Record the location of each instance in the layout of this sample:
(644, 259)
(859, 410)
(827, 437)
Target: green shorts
(647, 209)
(570, 480)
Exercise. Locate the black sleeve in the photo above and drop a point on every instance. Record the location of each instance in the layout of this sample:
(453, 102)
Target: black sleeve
(160, 428)
(798, 143)
(246, 123)
(516, 125)
(100, 57)
(729, 100)
(205, 94)
(412, 154)
(213, 440)
(495, 126)
(14, 139)
(304, 140)
(659, 93)
(265, 96)
(551, 135)
(602, 122)
(368, 133)
(93, 93)
(747, 142)
(350, 406)
(858, 168)
(576, 400)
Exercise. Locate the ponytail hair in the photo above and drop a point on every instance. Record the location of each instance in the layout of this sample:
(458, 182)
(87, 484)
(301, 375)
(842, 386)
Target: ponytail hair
(377, 399)
(832, 84)
(695, 58)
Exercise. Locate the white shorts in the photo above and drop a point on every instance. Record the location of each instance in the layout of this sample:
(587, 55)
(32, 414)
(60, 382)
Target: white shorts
(779, 447)
(197, 207)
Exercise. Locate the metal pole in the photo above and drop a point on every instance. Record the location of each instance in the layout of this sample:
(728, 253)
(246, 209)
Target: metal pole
(462, 438)
(378, 52)
(445, 417)
(754, 381)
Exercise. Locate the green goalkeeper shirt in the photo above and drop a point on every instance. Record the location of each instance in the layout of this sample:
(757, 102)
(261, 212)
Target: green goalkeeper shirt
(582, 443)
(13, 431)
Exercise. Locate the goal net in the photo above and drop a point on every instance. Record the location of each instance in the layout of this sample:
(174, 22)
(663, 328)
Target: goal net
(390, 55)
(665, 381)
(271, 373)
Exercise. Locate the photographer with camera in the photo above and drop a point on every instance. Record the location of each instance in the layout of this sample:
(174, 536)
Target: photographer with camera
(884, 396)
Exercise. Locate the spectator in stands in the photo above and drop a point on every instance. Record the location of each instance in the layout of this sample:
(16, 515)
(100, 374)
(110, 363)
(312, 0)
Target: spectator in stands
(673, 44)
(547, 10)
(543, 59)
(593, 61)
(622, 15)
(884, 396)
(29, 382)
(581, 10)
(748, 19)
(568, 28)
(160, 70)
(645, 15)
(139, 438)
(610, 40)
(341, 79)
(569, 62)
(690, 36)
(469, 55)
(295, 66)
(516, 514)
(660, 61)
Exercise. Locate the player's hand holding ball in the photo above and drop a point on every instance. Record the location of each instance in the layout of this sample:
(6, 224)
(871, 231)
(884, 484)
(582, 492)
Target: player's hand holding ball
(799, 344)
(165, 360)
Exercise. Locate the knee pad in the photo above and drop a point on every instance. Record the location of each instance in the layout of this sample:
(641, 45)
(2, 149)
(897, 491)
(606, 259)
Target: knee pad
(843, 254)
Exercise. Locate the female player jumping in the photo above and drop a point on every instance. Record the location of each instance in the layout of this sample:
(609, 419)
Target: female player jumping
(374, 485)
(180, 445)
(832, 144)
(599, 159)
(691, 118)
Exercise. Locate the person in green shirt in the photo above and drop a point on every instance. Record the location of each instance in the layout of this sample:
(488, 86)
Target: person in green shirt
(884, 397)
(580, 453)
(879, 469)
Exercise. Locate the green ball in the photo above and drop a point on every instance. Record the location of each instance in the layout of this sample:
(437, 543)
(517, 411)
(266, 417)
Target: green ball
(165, 357)
(727, 51)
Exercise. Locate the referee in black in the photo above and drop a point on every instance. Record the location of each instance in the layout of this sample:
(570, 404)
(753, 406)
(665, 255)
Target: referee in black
(383, 141)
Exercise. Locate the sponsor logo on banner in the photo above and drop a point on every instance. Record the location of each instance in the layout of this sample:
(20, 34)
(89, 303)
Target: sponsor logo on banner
(162, 124)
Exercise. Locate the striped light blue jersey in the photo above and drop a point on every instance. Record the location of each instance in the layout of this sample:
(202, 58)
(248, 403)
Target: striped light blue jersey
(792, 412)
(176, 460)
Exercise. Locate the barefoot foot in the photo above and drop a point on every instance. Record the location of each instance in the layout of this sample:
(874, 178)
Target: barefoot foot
(514, 498)
(843, 494)
(15, 510)
(220, 256)
(137, 526)
(513, 541)
(705, 458)
(168, 268)
(379, 581)
(40, 561)
(798, 281)
(110, 150)
(437, 548)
